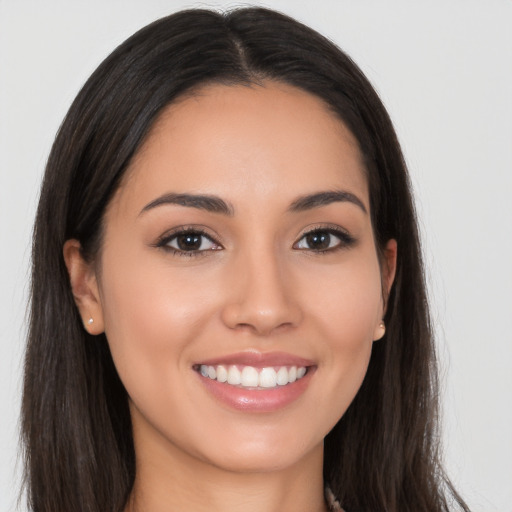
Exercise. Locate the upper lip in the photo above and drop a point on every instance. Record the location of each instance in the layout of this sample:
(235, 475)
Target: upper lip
(258, 359)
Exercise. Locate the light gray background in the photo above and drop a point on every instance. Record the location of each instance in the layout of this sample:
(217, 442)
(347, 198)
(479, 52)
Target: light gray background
(444, 70)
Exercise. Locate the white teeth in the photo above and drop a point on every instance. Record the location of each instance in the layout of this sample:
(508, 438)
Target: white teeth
(222, 374)
(282, 376)
(251, 377)
(267, 378)
(234, 376)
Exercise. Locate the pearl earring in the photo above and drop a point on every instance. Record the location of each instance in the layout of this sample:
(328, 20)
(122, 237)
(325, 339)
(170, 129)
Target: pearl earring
(382, 327)
(90, 321)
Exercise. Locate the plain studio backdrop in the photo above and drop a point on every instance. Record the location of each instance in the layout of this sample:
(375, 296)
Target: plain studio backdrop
(444, 71)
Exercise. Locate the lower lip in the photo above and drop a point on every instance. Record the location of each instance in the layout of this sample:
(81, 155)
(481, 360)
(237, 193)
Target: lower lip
(257, 400)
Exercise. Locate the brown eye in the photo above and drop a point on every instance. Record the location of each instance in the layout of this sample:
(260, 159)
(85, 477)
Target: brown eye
(321, 240)
(189, 242)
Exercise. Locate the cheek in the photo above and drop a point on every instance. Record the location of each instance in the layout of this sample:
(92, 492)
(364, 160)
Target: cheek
(151, 315)
(153, 320)
(347, 302)
(346, 306)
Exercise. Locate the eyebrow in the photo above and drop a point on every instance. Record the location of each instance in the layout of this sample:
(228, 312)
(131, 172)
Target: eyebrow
(311, 201)
(215, 204)
(208, 203)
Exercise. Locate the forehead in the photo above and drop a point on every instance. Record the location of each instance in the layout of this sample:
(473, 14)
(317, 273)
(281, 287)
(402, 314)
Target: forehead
(229, 140)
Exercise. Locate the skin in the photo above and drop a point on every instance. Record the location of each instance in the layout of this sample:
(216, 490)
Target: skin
(257, 285)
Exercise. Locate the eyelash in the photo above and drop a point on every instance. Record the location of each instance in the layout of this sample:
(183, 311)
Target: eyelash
(165, 240)
(345, 240)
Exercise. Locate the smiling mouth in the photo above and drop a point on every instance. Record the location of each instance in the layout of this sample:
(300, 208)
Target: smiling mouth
(251, 377)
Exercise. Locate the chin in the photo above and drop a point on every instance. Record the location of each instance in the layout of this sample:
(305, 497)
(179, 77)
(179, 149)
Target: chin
(260, 455)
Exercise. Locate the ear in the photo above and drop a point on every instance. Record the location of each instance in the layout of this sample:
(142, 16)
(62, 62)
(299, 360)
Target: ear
(388, 271)
(84, 285)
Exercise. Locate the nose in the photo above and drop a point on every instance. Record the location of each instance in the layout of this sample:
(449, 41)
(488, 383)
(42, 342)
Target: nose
(262, 298)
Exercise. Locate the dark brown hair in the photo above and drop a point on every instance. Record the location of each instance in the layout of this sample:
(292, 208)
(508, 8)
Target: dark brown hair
(383, 453)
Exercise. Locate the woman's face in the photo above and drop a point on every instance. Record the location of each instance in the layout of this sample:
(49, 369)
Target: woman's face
(240, 247)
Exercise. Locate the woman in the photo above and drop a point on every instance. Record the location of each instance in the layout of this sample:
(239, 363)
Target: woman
(228, 306)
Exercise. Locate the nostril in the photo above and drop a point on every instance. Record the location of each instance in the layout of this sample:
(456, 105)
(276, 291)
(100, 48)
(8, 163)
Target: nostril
(260, 300)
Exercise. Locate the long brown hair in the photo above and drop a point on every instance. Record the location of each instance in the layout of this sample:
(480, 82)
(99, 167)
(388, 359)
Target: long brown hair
(383, 453)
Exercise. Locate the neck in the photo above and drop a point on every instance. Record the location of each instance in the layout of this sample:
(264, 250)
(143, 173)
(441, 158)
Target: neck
(178, 481)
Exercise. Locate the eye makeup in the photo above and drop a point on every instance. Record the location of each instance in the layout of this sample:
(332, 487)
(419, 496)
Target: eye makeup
(193, 241)
(323, 239)
(188, 241)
